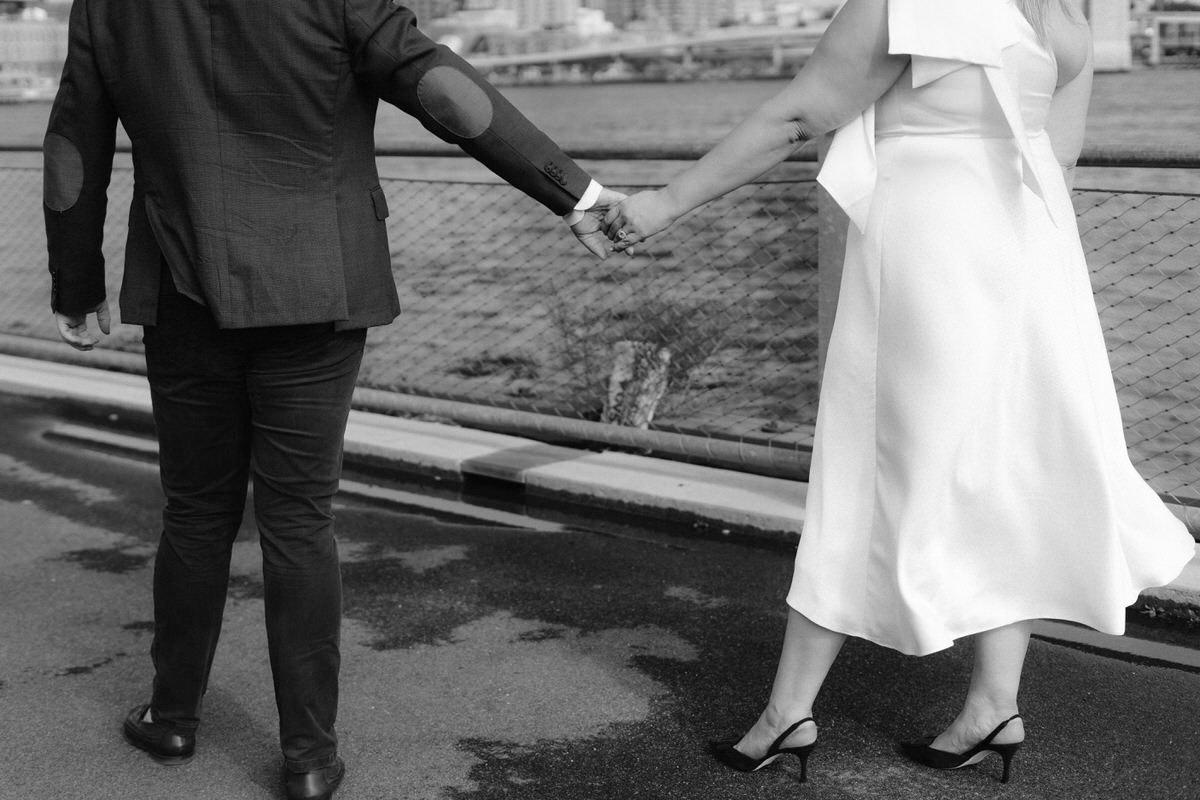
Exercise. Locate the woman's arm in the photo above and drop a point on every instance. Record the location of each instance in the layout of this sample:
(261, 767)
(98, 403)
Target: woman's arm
(1072, 43)
(849, 69)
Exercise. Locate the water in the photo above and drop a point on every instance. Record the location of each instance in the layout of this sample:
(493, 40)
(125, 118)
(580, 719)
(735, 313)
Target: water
(1152, 107)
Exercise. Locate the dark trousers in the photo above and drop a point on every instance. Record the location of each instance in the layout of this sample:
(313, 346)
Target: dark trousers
(271, 404)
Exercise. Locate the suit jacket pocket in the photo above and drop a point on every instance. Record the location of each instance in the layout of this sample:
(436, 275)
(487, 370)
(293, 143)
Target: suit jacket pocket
(380, 202)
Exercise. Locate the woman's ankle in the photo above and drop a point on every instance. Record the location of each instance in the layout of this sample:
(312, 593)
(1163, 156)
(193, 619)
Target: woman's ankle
(771, 724)
(975, 723)
(779, 717)
(779, 720)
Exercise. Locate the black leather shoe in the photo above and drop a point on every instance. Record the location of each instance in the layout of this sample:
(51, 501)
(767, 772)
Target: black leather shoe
(164, 742)
(316, 784)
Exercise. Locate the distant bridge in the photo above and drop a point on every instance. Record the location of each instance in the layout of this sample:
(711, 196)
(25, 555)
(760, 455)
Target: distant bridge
(779, 45)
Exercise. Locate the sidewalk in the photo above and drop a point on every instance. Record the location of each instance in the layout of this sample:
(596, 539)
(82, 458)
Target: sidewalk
(721, 501)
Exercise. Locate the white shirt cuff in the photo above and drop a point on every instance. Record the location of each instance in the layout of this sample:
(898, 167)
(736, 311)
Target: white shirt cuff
(587, 201)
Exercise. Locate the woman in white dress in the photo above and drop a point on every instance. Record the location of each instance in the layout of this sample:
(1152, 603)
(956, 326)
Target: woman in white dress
(969, 471)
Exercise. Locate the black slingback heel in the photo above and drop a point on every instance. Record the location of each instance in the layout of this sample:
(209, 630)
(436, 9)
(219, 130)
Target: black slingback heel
(922, 753)
(730, 756)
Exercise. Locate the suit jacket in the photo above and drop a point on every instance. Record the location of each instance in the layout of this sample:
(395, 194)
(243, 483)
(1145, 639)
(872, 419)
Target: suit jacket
(252, 124)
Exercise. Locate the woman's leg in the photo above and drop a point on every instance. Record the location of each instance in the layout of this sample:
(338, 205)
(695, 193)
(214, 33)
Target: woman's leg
(992, 694)
(808, 652)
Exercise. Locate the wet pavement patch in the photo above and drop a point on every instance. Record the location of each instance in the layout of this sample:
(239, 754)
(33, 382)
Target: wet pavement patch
(117, 560)
(658, 758)
(87, 669)
(674, 622)
(541, 635)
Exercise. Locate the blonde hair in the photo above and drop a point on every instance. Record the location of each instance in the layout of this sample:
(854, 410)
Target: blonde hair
(1035, 11)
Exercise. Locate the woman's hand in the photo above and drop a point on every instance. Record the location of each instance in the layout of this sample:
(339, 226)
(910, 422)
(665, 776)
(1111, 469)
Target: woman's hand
(637, 218)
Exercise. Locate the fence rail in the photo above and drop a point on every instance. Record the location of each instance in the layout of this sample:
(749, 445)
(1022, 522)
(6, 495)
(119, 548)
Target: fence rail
(1098, 155)
(509, 325)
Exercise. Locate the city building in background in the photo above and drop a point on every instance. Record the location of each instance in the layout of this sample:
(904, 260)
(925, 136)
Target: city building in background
(33, 46)
(679, 16)
(627, 39)
(1166, 31)
(427, 10)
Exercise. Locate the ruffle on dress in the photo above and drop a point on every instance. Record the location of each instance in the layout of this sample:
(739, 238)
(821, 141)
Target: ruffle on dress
(940, 36)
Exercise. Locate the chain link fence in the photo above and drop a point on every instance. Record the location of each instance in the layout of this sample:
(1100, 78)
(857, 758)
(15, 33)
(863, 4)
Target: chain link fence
(713, 326)
(510, 311)
(1144, 250)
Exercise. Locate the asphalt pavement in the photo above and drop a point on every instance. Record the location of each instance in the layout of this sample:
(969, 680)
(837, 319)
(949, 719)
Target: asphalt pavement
(521, 622)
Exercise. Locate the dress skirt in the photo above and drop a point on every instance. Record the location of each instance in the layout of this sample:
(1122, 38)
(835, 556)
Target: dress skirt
(969, 467)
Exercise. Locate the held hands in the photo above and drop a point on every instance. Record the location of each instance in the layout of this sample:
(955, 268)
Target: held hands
(73, 328)
(590, 229)
(638, 218)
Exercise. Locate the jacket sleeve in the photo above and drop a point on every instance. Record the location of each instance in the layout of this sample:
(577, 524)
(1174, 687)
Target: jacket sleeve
(455, 103)
(78, 155)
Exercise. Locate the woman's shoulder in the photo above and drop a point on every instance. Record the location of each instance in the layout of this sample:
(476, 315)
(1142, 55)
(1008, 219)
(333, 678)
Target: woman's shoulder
(1069, 37)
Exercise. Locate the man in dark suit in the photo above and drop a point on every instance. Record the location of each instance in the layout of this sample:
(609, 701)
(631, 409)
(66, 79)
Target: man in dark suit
(257, 256)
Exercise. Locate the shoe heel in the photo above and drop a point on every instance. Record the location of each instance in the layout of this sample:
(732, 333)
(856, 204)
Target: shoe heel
(1007, 753)
(802, 753)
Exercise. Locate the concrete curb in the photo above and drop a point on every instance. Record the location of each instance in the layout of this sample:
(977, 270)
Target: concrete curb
(650, 487)
(716, 499)
(617, 481)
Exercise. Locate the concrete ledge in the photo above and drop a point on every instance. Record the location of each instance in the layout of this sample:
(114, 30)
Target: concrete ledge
(637, 484)
(54, 380)
(1184, 590)
(731, 499)
(616, 480)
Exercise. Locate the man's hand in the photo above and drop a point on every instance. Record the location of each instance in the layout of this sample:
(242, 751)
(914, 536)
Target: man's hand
(589, 230)
(73, 328)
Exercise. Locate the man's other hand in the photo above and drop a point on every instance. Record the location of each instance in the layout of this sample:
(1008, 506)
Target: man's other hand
(73, 328)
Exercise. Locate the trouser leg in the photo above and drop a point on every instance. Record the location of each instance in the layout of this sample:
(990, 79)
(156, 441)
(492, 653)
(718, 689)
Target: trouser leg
(201, 413)
(301, 381)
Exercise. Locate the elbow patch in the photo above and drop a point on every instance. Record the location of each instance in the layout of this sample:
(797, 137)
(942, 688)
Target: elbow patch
(455, 102)
(63, 173)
